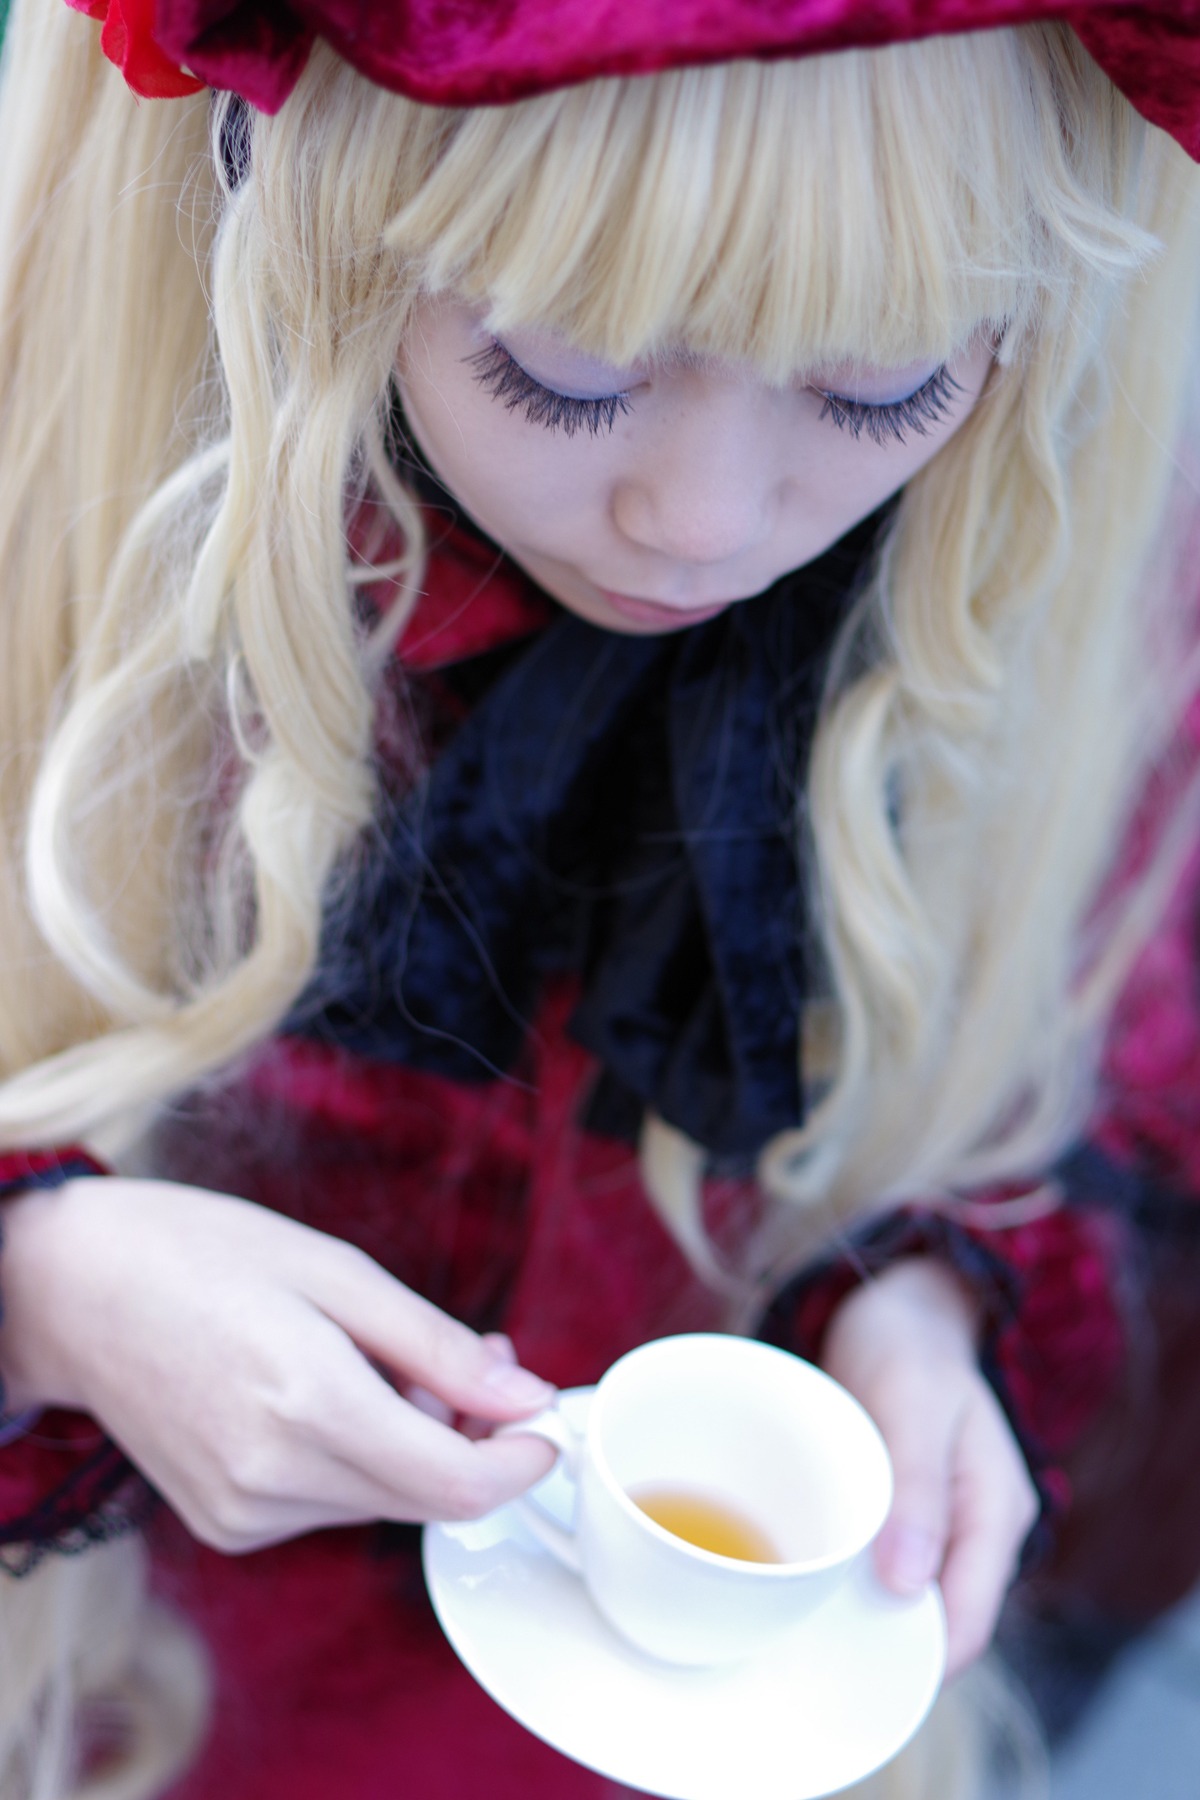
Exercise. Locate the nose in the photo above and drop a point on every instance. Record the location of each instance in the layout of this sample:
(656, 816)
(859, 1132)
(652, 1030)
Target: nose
(701, 495)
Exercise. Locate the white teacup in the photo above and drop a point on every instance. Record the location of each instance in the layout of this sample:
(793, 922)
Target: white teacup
(766, 1437)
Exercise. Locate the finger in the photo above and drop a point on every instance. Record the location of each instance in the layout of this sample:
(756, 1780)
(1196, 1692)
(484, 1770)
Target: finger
(411, 1476)
(428, 1403)
(338, 1436)
(274, 1493)
(425, 1471)
(420, 1343)
(402, 1464)
(991, 1521)
(277, 1525)
(919, 1428)
(473, 1428)
(505, 1351)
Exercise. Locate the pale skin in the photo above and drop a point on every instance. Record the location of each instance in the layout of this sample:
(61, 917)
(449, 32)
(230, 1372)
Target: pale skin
(271, 1380)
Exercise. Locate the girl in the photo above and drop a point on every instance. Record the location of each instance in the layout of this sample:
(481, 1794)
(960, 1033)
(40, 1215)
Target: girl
(579, 645)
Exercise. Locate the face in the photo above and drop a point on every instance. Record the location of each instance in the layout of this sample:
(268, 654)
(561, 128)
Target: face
(648, 498)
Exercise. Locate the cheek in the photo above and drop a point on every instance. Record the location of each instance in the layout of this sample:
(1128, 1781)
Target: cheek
(846, 477)
(517, 480)
(527, 488)
(855, 475)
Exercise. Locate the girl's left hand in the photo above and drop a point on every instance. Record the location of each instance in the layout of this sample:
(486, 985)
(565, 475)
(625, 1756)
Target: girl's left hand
(904, 1345)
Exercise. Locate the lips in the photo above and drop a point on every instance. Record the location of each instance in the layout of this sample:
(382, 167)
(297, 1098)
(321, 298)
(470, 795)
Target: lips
(656, 612)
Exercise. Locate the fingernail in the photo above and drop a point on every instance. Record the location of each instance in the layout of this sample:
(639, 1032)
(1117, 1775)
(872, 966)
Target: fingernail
(499, 1348)
(910, 1557)
(518, 1386)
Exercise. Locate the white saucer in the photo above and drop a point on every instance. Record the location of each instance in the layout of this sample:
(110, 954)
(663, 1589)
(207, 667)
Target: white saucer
(823, 1707)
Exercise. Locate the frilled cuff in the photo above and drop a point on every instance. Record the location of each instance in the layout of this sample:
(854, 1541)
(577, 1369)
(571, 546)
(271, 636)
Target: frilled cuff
(1052, 1342)
(63, 1484)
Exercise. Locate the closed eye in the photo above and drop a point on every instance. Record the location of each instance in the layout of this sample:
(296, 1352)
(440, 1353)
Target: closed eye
(890, 422)
(501, 375)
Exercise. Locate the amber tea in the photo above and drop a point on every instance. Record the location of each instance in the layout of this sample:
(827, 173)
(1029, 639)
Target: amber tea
(708, 1522)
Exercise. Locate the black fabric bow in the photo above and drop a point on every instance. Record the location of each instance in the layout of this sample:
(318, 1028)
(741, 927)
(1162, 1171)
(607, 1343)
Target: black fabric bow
(623, 808)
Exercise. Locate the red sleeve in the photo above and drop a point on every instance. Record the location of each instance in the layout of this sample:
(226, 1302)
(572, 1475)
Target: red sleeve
(1053, 1272)
(1052, 1342)
(63, 1484)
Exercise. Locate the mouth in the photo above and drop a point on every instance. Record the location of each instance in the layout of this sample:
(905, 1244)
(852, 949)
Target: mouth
(657, 612)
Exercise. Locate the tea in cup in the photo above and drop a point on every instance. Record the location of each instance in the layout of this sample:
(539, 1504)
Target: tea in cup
(723, 1490)
(706, 1521)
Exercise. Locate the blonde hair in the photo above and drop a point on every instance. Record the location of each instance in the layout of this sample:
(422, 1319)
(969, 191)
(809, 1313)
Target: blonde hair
(81, 1643)
(200, 312)
(174, 527)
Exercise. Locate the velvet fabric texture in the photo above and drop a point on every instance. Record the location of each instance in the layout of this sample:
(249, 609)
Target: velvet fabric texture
(480, 52)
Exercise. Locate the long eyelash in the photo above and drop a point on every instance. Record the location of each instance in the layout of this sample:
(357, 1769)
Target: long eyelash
(890, 424)
(505, 380)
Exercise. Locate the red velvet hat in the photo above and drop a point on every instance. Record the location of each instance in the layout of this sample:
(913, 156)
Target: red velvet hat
(475, 52)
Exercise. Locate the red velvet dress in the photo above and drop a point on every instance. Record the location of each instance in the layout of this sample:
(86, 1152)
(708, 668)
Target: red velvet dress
(511, 1197)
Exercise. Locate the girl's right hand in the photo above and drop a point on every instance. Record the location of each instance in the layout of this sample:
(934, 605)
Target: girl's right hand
(246, 1363)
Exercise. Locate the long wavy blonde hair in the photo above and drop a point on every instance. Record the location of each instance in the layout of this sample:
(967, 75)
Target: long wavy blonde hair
(193, 396)
(200, 314)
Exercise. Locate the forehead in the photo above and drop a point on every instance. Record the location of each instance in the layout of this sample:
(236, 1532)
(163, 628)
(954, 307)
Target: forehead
(868, 207)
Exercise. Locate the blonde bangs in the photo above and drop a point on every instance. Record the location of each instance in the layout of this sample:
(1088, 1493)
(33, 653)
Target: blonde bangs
(878, 206)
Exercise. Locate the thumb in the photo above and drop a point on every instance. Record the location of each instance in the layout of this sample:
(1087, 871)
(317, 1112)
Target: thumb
(910, 1549)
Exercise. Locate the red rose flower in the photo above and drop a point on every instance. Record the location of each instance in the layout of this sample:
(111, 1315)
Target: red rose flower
(127, 39)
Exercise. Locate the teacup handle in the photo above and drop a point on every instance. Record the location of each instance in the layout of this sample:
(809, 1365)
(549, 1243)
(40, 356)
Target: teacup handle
(551, 1426)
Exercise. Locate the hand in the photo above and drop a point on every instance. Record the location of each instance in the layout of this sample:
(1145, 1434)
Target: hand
(250, 1366)
(904, 1345)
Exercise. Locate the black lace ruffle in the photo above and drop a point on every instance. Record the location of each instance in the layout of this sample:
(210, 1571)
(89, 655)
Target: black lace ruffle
(103, 1496)
(624, 809)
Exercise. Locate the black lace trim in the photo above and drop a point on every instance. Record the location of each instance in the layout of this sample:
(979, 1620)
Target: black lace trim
(104, 1499)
